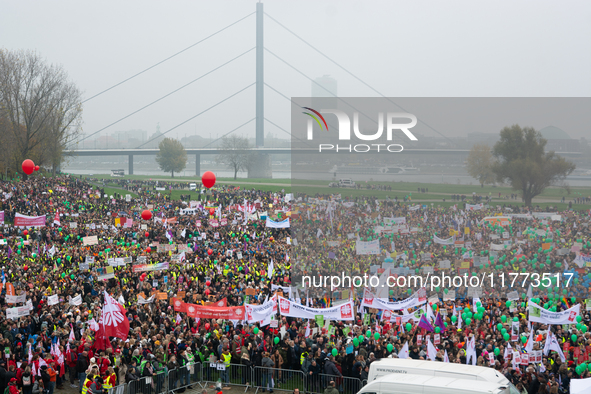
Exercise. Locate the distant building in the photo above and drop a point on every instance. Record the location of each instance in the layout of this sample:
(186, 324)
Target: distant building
(559, 140)
(324, 89)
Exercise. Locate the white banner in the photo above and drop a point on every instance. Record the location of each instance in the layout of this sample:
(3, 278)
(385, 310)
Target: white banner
(257, 313)
(392, 221)
(141, 300)
(284, 289)
(76, 300)
(414, 316)
(540, 315)
(441, 241)
(19, 311)
(475, 207)
(53, 300)
(281, 224)
(11, 299)
(416, 299)
(414, 208)
(368, 247)
(340, 312)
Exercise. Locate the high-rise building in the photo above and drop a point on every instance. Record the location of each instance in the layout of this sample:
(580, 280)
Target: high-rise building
(324, 92)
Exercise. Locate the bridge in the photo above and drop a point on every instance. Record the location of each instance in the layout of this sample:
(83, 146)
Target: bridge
(262, 160)
(268, 151)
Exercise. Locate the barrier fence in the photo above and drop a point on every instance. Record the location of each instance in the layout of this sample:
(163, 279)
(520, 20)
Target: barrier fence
(199, 375)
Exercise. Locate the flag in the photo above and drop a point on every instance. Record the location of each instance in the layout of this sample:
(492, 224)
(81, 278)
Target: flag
(439, 322)
(445, 357)
(184, 232)
(424, 323)
(56, 219)
(431, 349)
(307, 334)
(529, 346)
(113, 321)
(270, 270)
(72, 336)
(471, 351)
(554, 346)
(403, 353)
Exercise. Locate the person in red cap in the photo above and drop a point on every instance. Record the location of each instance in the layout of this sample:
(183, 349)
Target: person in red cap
(12, 389)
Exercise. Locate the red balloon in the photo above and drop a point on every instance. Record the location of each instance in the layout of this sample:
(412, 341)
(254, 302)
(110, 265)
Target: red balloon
(208, 179)
(36, 168)
(207, 326)
(211, 211)
(25, 233)
(208, 283)
(209, 251)
(147, 234)
(148, 249)
(142, 278)
(206, 291)
(146, 214)
(28, 166)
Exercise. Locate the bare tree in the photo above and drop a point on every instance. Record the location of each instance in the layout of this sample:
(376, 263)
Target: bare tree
(235, 153)
(42, 107)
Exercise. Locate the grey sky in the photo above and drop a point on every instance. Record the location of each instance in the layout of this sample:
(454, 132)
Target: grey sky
(402, 48)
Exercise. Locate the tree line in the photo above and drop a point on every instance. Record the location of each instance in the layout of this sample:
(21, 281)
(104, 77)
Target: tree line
(40, 111)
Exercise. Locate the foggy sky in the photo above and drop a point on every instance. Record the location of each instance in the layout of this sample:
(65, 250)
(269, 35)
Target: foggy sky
(401, 48)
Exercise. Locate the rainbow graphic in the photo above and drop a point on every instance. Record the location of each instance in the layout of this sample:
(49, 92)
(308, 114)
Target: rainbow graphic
(315, 118)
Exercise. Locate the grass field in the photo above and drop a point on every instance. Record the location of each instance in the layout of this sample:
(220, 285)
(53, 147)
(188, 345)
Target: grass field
(437, 192)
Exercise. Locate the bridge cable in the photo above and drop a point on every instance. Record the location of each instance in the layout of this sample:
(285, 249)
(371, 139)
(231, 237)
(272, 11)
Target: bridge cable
(319, 85)
(200, 113)
(166, 95)
(282, 129)
(353, 75)
(168, 58)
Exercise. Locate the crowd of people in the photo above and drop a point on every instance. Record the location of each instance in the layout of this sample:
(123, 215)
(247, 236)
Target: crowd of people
(227, 249)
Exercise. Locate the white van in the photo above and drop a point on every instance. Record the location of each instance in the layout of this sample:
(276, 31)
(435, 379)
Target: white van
(346, 183)
(406, 366)
(192, 186)
(421, 384)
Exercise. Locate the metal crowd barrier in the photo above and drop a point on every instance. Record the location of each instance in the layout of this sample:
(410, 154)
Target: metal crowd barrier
(234, 374)
(278, 379)
(121, 389)
(344, 384)
(258, 378)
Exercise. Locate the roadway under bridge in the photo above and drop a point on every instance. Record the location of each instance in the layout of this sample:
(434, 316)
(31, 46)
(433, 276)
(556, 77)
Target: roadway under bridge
(262, 152)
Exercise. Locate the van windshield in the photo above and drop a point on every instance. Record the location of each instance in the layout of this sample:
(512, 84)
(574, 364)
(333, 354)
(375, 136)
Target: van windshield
(510, 390)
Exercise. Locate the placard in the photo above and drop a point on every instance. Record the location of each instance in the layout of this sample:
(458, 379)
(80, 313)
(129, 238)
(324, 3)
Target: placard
(92, 240)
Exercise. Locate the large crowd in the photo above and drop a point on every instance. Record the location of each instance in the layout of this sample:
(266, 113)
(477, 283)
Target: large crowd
(221, 250)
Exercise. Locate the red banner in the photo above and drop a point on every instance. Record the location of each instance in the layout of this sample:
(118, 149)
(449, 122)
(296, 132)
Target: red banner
(29, 221)
(214, 312)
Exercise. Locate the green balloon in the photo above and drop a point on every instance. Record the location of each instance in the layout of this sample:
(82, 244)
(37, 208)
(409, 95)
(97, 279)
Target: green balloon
(573, 338)
(437, 330)
(499, 326)
(355, 342)
(497, 351)
(256, 330)
(334, 351)
(408, 326)
(368, 333)
(276, 340)
(506, 336)
(389, 347)
(376, 336)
